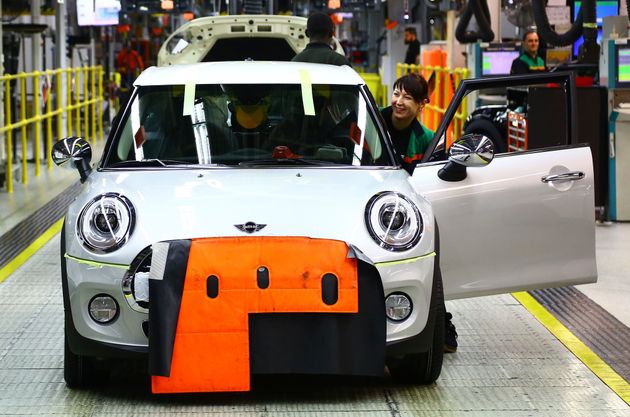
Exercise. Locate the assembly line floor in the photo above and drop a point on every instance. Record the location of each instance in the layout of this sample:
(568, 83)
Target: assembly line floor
(508, 363)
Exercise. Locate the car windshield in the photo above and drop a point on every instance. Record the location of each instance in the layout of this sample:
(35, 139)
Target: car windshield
(248, 125)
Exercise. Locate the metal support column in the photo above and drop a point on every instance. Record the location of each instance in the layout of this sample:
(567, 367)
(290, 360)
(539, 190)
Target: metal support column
(36, 62)
(495, 18)
(36, 38)
(2, 149)
(61, 61)
(232, 7)
(450, 38)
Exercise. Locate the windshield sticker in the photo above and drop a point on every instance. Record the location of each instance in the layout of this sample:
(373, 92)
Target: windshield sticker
(189, 98)
(307, 93)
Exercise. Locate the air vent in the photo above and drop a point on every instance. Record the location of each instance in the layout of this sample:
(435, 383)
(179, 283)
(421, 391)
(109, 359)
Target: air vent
(264, 28)
(239, 28)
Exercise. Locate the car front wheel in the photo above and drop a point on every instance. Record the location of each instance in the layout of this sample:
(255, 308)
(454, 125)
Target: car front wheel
(78, 370)
(424, 368)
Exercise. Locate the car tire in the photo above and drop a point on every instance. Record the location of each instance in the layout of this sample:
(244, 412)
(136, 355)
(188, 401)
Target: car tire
(487, 128)
(425, 368)
(78, 370)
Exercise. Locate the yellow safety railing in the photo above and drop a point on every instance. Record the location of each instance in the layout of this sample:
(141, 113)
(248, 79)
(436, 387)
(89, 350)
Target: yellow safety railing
(83, 94)
(115, 80)
(446, 82)
(376, 87)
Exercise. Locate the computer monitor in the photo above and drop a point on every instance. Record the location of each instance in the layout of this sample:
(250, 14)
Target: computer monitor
(557, 56)
(622, 65)
(98, 13)
(579, 42)
(497, 60)
(602, 8)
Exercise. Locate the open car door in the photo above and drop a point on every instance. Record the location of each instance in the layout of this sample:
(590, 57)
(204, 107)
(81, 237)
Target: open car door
(524, 221)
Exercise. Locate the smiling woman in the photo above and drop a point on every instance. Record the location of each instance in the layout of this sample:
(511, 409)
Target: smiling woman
(409, 136)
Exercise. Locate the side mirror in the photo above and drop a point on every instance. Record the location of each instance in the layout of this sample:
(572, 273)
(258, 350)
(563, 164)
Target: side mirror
(471, 150)
(76, 151)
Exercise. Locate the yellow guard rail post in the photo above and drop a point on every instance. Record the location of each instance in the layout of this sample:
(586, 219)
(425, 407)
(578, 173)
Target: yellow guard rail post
(84, 98)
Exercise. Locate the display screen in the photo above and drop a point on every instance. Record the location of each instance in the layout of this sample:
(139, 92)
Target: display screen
(622, 70)
(97, 12)
(602, 8)
(497, 62)
(558, 56)
(579, 42)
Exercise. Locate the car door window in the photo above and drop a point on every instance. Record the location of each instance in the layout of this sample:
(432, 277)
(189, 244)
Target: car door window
(527, 115)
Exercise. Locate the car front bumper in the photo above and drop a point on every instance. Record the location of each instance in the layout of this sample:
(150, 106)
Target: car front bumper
(127, 334)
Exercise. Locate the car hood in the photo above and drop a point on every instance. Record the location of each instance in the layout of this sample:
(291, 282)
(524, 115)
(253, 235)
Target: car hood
(318, 203)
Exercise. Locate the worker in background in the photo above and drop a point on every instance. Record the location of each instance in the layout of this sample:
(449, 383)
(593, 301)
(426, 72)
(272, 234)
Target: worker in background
(529, 61)
(412, 56)
(410, 139)
(129, 64)
(320, 31)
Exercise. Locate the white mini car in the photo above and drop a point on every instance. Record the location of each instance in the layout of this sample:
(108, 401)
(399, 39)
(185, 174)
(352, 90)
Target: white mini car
(251, 218)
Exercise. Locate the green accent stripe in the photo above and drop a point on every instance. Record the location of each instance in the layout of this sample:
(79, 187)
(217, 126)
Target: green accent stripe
(406, 261)
(589, 25)
(94, 263)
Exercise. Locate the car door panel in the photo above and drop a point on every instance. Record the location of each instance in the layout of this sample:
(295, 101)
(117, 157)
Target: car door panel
(504, 229)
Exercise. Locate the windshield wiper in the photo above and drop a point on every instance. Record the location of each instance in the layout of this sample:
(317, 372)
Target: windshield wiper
(286, 161)
(148, 162)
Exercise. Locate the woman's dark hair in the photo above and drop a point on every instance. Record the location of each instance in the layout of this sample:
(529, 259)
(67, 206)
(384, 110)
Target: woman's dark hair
(415, 85)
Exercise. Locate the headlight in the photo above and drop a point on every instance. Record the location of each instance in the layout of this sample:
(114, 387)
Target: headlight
(106, 223)
(394, 221)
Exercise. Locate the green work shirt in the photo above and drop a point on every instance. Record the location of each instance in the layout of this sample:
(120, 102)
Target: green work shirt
(525, 64)
(320, 53)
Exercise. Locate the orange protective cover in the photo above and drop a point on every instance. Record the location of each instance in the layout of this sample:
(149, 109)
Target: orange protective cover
(211, 351)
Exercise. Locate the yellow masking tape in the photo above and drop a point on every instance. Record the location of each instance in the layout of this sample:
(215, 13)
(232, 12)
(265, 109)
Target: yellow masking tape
(307, 93)
(406, 261)
(189, 98)
(95, 263)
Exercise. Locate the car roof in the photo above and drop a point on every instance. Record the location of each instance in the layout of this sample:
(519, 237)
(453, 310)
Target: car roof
(249, 72)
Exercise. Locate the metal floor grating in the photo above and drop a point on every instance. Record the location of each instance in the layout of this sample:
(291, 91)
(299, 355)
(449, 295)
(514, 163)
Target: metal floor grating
(507, 364)
(24, 233)
(598, 329)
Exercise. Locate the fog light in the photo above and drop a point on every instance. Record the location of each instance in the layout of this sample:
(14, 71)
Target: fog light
(398, 306)
(103, 308)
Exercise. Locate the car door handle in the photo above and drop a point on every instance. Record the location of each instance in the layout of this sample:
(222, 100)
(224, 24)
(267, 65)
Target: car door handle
(567, 176)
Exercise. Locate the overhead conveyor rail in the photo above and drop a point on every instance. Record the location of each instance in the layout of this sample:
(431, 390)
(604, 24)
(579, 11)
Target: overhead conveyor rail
(45, 98)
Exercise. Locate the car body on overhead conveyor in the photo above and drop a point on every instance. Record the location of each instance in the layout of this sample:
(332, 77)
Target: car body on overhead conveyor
(252, 218)
(236, 38)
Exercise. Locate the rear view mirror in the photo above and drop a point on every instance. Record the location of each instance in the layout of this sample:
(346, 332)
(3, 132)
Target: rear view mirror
(471, 150)
(76, 151)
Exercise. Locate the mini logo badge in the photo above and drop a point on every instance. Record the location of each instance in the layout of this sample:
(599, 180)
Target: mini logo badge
(249, 227)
